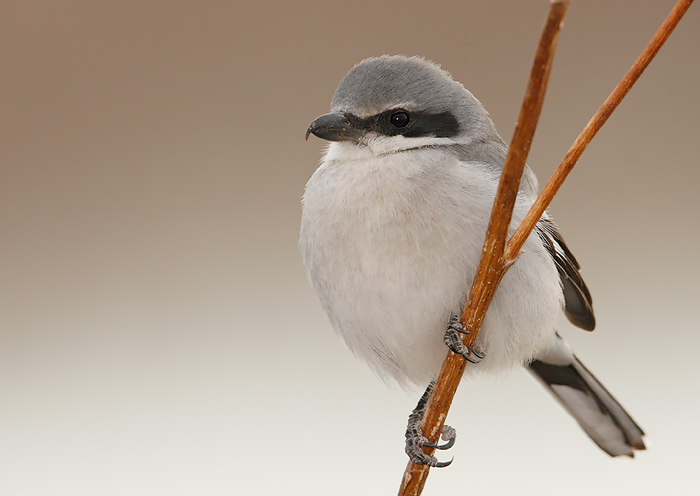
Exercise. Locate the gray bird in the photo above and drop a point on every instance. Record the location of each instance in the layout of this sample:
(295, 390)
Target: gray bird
(392, 229)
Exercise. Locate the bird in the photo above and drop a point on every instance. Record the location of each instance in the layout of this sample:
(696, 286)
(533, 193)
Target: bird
(392, 228)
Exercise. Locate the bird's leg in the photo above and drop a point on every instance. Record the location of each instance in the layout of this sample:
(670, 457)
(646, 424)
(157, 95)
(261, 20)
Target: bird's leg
(414, 436)
(453, 340)
(415, 439)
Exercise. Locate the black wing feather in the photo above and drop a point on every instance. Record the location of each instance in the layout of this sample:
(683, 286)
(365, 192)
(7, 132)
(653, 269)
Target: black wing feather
(578, 304)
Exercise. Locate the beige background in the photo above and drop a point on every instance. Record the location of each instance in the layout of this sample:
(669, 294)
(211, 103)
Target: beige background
(157, 332)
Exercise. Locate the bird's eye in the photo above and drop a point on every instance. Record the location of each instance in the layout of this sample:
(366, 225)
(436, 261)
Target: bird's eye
(399, 119)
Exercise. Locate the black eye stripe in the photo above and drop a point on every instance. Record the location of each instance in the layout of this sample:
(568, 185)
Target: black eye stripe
(419, 124)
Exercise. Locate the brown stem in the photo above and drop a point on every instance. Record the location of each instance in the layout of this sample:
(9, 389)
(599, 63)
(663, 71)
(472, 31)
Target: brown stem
(601, 116)
(497, 257)
(492, 265)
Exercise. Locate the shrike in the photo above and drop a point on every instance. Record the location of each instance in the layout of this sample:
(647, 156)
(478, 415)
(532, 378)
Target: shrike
(392, 229)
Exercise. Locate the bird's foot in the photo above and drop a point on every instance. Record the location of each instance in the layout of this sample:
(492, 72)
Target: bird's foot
(415, 439)
(453, 340)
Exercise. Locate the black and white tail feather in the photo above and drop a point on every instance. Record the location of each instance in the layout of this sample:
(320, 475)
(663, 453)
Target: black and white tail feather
(579, 392)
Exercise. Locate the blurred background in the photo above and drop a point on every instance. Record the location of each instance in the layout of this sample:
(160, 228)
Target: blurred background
(157, 331)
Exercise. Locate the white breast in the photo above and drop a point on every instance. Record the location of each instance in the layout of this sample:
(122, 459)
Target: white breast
(391, 244)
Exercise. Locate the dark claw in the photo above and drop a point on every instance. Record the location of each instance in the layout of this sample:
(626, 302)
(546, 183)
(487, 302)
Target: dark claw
(478, 354)
(449, 435)
(445, 446)
(416, 455)
(415, 440)
(454, 341)
(444, 464)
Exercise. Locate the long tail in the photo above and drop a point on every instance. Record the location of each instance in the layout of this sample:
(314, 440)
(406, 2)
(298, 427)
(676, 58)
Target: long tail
(585, 398)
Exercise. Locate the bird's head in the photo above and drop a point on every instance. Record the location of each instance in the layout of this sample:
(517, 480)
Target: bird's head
(395, 103)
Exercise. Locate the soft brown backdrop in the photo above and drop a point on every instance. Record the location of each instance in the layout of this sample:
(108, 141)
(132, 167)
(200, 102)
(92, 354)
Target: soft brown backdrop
(157, 332)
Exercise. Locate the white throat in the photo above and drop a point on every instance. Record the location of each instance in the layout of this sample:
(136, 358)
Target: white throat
(378, 145)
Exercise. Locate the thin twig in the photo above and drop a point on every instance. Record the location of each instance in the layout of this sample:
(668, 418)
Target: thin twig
(497, 257)
(601, 116)
(492, 265)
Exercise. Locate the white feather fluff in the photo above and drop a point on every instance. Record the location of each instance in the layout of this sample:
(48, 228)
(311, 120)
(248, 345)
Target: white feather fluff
(391, 242)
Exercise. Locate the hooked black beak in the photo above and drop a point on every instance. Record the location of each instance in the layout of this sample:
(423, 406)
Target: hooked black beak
(334, 127)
